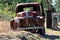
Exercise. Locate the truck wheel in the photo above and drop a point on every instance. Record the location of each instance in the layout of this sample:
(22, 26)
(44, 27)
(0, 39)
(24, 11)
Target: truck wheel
(32, 30)
(41, 31)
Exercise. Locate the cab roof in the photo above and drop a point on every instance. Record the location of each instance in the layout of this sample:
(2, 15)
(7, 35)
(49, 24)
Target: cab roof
(28, 4)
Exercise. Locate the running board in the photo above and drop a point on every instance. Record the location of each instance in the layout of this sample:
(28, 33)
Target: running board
(31, 28)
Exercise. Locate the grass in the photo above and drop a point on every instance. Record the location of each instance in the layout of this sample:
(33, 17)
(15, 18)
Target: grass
(4, 26)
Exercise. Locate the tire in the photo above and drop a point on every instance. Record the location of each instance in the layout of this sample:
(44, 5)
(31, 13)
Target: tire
(30, 30)
(41, 31)
(33, 31)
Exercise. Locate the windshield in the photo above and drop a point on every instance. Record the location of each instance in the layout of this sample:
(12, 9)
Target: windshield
(28, 9)
(20, 9)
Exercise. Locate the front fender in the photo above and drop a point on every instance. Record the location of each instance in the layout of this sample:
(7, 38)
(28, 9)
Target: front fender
(41, 18)
(13, 25)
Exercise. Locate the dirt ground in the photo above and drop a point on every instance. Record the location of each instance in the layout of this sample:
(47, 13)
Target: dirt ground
(50, 34)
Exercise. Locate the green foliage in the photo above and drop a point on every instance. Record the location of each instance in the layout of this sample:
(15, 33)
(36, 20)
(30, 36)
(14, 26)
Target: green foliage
(8, 7)
(57, 5)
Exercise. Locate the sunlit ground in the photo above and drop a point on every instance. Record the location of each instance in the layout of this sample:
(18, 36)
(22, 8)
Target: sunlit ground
(6, 30)
(5, 26)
